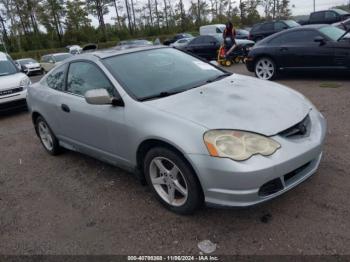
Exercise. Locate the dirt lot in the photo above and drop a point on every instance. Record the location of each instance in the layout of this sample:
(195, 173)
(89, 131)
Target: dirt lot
(72, 204)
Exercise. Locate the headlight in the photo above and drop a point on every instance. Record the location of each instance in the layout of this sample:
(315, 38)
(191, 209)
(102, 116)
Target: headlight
(25, 82)
(238, 145)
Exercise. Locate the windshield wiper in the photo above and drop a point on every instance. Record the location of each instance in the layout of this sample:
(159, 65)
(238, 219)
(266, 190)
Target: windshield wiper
(217, 78)
(160, 95)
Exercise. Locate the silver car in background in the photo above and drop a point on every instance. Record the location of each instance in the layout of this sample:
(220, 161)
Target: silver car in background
(194, 132)
(48, 62)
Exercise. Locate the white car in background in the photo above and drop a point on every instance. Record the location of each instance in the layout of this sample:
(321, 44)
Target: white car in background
(50, 61)
(75, 49)
(181, 42)
(13, 85)
(215, 30)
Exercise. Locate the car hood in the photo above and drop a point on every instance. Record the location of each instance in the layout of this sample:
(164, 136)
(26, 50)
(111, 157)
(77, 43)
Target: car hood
(11, 81)
(238, 102)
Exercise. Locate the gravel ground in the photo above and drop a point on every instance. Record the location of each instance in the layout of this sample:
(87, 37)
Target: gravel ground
(72, 204)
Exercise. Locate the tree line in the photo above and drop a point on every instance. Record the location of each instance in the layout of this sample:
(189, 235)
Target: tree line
(42, 24)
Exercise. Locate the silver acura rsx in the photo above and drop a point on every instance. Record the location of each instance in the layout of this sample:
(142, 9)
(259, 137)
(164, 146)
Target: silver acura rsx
(192, 131)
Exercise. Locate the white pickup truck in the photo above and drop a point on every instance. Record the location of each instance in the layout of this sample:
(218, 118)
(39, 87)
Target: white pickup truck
(13, 85)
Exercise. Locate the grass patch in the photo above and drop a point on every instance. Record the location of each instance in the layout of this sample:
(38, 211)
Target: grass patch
(330, 85)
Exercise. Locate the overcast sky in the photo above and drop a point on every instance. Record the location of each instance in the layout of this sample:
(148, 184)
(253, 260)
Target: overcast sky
(298, 7)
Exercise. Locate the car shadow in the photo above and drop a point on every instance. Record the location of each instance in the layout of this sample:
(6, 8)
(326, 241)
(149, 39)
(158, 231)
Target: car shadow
(13, 112)
(329, 76)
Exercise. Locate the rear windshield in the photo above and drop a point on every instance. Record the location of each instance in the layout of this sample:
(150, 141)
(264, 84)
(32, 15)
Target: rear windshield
(7, 67)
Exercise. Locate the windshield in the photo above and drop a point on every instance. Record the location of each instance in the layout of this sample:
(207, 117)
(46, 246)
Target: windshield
(341, 12)
(332, 32)
(61, 57)
(291, 23)
(26, 61)
(151, 73)
(7, 67)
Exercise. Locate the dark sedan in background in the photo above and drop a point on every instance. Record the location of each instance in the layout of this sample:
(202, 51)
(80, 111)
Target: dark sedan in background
(207, 46)
(177, 37)
(311, 47)
(262, 30)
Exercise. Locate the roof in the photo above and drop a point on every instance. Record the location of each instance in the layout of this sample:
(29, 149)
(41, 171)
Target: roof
(114, 52)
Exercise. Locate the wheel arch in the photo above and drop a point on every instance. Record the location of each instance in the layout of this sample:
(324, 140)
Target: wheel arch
(35, 116)
(148, 144)
(267, 56)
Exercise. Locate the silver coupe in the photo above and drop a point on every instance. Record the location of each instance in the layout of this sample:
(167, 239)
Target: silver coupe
(195, 133)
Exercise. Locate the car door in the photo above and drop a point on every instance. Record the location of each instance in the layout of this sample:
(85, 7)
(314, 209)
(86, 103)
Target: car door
(199, 46)
(92, 129)
(267, 29)
(298, 50)
(210, 47)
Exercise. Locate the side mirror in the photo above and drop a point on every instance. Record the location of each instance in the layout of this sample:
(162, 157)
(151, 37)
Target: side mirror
(101, 97)
(319, 39)
(18, 66)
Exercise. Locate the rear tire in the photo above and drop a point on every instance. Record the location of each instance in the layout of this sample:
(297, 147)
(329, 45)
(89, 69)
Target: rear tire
(172, 180)
(47, 137)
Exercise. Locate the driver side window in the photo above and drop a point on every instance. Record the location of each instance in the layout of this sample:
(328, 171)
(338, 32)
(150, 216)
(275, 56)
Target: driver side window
(84, 76)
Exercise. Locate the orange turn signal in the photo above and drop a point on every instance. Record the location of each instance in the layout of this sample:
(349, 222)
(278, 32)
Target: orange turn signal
(211, 149)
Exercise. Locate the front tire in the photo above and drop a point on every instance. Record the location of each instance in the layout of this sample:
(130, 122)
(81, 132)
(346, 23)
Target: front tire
(47, 137)
(172, 180)
(265, 68)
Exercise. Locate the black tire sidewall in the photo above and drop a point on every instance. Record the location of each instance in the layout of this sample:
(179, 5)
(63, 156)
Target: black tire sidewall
(56, 148)
(195, 196)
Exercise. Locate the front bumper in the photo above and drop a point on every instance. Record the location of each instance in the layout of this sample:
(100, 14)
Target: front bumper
(33, 70)
(231, 183)
(250, 64)
(13, 101)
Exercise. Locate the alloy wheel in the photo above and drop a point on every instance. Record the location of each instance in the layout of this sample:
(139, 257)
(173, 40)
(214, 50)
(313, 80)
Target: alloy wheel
(168, 181)
(45, 135)
(265, 69)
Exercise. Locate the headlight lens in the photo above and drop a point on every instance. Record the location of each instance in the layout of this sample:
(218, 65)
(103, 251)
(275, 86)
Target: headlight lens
(25, 82)
(238, 145)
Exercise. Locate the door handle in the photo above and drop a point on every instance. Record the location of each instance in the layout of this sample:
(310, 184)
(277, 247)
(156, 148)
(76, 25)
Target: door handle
(65, 108)
(283, 49)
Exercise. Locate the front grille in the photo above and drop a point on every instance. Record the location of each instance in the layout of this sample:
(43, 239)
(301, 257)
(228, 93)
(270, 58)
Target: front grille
(11, 91)
(298, 130)
(276, 185)
(271, 187)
